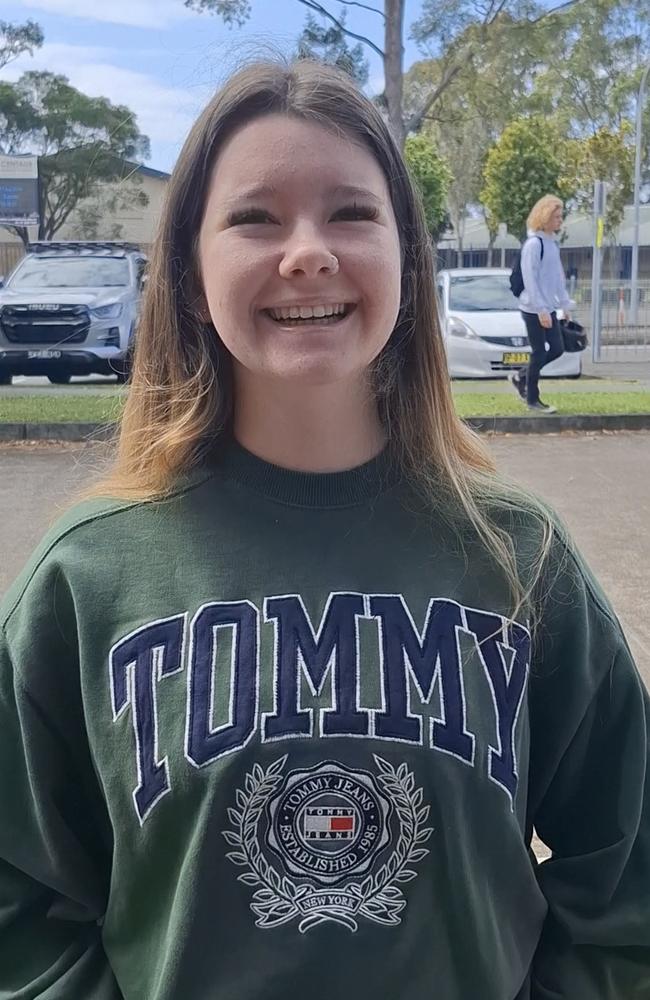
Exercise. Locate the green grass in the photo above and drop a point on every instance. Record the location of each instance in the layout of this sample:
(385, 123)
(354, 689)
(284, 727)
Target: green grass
(485, 404)
(60, 408)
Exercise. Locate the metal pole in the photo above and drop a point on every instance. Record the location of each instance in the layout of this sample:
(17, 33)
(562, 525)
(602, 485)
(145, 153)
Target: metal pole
(637, 197)
(599, 211)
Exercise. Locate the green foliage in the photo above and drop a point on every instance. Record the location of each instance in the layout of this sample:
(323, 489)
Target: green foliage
(233, 12)
(18, 38)
(82, 142)
(327, 43)
(432, 177)
(606, 156)
(526, 163)
(600, 48)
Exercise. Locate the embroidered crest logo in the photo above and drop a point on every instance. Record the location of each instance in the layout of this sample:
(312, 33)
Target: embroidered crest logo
(328, 843)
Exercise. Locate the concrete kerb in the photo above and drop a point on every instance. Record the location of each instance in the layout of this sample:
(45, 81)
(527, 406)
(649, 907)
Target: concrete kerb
(56, 432)
(543, 424)
(554, 423)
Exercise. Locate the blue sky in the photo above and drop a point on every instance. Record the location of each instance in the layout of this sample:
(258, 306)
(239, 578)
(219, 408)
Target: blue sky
(164, 61)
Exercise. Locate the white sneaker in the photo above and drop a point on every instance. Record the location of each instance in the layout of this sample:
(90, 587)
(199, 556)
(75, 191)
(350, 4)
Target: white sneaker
(542, 407)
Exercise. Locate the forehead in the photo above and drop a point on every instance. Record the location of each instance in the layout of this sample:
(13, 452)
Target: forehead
(280, 151)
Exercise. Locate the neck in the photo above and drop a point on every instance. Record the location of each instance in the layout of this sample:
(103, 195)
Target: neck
(326, 428)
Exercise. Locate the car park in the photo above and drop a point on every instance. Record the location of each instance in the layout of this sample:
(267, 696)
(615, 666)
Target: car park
(484, 332)
(71, 308)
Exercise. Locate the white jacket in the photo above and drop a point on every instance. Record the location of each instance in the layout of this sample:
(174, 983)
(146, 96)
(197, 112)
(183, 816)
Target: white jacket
(544, 285)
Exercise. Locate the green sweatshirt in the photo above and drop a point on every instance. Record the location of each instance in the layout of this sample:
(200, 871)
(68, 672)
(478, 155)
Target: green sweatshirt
(275, 737)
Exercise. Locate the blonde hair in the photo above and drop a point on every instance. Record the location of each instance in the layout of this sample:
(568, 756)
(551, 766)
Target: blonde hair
(542, 210)
(181, 395)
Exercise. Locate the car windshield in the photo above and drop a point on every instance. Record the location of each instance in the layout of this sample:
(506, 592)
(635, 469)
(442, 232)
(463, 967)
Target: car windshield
(72, 272)
(482, 293)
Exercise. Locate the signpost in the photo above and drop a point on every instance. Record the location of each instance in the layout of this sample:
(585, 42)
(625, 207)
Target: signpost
(19, 205)
(600, 194)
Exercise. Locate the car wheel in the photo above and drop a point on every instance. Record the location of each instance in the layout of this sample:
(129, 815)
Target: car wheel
(59, 379)
(5, 379)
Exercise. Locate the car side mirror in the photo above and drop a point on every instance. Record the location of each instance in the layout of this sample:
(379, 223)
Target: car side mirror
(2, 280)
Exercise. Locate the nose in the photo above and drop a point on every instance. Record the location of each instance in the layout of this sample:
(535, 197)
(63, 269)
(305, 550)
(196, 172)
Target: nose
(307, 254)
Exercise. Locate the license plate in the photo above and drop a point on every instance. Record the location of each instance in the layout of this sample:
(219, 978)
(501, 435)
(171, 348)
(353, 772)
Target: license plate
(44, 355)
(514, 358)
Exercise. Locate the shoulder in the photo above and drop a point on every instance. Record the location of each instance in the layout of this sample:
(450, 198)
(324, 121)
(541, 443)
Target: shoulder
(564, 588)
(533, 245)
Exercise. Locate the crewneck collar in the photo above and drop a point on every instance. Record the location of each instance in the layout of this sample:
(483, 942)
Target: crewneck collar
(306, 489)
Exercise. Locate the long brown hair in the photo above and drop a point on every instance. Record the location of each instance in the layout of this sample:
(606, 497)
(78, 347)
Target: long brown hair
(180, 399)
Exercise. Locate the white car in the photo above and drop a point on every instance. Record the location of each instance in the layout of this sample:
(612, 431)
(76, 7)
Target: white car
(71, 308)
(484, 331)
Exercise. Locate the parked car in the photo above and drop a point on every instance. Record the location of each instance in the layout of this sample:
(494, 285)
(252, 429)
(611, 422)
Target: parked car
(484, 331)
(70, 308)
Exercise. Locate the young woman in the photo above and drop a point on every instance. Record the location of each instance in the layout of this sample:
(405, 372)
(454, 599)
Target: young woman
(282, 703)
(544, 292)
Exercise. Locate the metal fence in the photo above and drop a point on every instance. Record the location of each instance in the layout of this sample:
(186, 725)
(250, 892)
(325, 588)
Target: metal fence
(621, 339)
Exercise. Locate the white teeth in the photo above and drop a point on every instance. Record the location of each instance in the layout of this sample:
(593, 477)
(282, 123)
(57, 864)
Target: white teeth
(308, 312)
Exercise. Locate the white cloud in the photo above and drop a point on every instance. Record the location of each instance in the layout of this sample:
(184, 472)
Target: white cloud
(137, 13)
(164, 113)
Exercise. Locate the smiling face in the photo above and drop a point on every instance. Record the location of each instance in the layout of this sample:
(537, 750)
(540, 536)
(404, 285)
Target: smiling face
(299, 254)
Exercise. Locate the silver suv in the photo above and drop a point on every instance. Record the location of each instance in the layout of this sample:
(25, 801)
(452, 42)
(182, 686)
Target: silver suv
(71, 309)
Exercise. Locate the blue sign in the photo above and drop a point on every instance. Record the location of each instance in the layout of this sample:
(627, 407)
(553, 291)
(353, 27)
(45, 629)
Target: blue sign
(19, 203)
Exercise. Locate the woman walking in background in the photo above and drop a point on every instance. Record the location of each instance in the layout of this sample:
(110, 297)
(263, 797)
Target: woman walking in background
(544, 292)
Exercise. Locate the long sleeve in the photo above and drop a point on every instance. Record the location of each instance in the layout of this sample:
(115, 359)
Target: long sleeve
(54, 868)
(531, 259)
(563, 299)
(590, 803)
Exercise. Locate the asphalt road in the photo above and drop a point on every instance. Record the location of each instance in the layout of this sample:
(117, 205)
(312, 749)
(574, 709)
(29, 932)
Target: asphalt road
(599, 483)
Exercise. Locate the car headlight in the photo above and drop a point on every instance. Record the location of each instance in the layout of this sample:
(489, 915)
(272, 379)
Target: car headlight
(459, 329)
(111, 311)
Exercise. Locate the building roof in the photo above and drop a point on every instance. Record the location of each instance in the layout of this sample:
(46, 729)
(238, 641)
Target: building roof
(578, 232)
(150, 172)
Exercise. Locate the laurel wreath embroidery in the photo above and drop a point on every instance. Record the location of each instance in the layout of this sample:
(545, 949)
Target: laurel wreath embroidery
(278, 900)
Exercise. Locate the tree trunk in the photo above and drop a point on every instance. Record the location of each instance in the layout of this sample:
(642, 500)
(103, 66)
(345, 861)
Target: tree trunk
(393, 67)
(21, 232)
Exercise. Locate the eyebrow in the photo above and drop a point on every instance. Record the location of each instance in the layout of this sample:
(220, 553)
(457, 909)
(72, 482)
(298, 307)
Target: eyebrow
(250, 194)
(268, 191)
(350, 191)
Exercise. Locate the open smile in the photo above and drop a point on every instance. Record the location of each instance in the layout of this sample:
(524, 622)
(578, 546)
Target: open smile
(319, 315)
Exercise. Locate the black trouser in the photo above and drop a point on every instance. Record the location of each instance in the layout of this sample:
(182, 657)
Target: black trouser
(539, 337)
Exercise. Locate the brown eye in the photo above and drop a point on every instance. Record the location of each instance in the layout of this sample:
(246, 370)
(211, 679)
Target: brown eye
(356, 212)
(248, 216)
